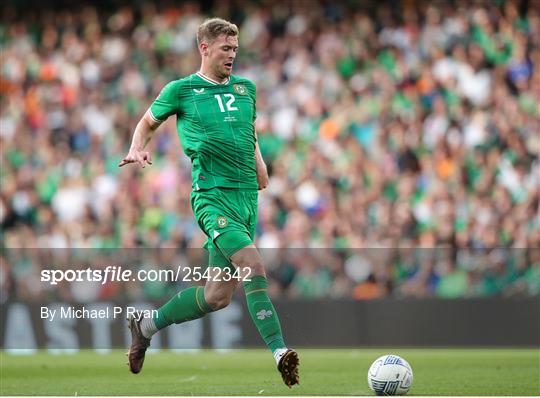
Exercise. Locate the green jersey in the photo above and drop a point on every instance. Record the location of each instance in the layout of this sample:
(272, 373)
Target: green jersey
(215, 126)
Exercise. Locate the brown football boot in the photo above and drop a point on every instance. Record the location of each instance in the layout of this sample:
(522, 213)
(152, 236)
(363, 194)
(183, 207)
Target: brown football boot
(139, 344)
(288, 367)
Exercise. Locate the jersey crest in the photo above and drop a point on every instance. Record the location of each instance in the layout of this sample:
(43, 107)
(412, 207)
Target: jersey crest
(240, 89)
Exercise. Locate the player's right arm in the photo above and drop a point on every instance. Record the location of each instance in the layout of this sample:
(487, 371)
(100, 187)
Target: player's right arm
(165, 105)
(141, 137)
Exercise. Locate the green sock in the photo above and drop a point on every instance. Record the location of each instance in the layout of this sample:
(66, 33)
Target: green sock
(263, 312)
(185, 306)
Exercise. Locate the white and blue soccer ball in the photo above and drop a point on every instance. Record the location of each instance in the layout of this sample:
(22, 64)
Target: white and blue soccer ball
(390, 375)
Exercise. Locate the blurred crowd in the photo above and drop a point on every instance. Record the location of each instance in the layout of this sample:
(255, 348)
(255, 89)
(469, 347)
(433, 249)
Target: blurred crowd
(410, 124)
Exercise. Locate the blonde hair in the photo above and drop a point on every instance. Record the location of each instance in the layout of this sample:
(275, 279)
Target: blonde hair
(210, 29)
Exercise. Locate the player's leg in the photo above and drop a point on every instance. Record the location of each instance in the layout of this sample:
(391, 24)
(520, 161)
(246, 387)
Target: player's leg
(235, 241)
(185, 306)
(189, 304)
(218, 291)
(264, 314)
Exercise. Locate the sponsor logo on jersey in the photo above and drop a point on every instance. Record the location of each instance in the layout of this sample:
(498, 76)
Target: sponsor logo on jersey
(240, 89)
(222, 222)
(198, 90)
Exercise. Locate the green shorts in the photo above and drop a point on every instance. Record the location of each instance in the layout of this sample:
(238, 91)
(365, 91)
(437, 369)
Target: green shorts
(228, 217)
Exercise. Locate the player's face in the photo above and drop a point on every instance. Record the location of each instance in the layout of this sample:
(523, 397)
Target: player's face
(221, 54)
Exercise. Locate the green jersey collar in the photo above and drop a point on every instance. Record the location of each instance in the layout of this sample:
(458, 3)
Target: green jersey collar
(212, 81)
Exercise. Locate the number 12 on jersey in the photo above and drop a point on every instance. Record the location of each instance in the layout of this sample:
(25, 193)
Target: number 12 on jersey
(228, 104)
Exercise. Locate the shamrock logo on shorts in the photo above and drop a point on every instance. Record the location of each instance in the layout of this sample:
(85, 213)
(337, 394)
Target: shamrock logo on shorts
(222, 222)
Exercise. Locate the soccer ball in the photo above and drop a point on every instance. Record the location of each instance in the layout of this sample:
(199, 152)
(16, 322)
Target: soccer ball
(390, 375)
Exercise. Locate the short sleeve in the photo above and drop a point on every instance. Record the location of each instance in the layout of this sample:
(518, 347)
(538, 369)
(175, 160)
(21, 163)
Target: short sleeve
(167, 102)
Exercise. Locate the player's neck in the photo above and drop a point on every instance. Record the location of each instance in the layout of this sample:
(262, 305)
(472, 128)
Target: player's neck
(207, 74)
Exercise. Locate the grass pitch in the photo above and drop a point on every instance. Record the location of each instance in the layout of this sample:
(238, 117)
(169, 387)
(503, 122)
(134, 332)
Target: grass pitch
(252, 372)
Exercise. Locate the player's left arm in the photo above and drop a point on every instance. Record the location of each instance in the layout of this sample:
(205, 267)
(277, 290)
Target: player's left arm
(262, 171)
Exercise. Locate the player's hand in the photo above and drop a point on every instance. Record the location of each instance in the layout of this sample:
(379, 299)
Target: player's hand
(136, 156)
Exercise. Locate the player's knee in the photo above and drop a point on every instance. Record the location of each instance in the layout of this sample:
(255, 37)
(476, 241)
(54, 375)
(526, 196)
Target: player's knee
(249, 258)
(218, 301)
(257, 268)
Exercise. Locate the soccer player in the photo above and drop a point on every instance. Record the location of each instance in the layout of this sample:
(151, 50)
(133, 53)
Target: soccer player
(215, 112)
